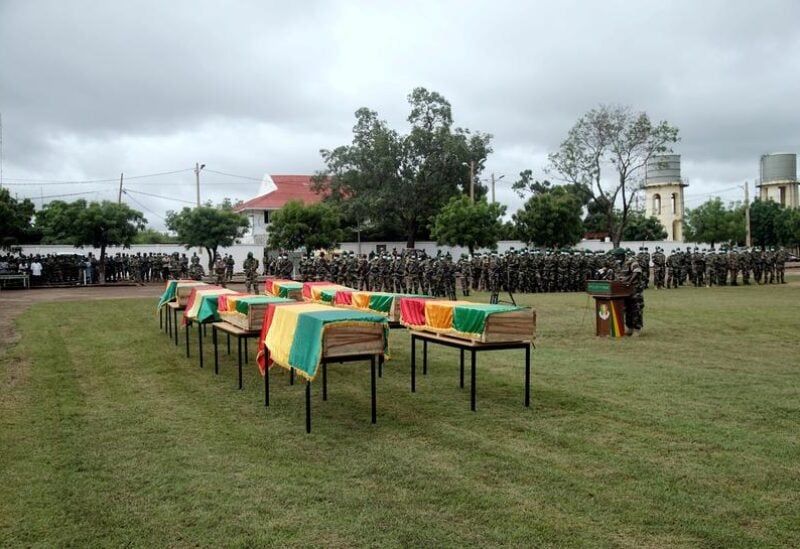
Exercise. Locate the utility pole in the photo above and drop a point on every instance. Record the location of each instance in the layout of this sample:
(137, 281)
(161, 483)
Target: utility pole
(197, 168)
(119, 196)
(472, 181)
(748, 240)
(493, 188)
(1, 150)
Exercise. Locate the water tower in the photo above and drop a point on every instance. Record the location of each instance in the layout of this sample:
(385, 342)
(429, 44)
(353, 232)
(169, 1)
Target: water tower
(778, 179)
(663, 191)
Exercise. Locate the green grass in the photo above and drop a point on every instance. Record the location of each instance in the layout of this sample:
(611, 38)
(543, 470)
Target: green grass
(686, 436)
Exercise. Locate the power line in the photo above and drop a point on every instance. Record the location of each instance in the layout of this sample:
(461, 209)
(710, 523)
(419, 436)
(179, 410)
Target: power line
(259, 179)
(127, 190)
(142, 206)
(21, 181)
(68, 194)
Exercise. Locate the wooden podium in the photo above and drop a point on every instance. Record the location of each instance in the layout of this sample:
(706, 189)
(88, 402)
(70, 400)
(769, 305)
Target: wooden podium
(609, 298)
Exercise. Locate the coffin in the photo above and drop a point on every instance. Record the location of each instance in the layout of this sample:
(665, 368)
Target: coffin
(484, 323)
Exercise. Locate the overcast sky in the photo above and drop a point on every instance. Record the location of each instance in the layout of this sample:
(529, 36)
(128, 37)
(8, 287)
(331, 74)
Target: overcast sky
(92, 89)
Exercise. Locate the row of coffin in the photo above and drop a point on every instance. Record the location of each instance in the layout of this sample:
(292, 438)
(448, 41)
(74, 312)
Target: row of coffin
(326, 319)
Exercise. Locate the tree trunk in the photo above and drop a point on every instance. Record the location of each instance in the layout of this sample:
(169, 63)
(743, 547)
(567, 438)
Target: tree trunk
(411, 235)
(102, 266)
(211, 253)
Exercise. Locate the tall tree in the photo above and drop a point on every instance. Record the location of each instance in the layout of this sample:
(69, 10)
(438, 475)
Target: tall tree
(788, 227)
(385, 176)
(464, 223)
(299, 226)
(714, 223)
(98, 224)
(15, 220)
(764, 219)
(616, 138)
(208, 227)
(641, 227)
(551, 218)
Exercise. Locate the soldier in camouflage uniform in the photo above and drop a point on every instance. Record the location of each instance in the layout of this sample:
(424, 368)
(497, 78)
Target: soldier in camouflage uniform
(464, 269)
(780, 265)
(630, 272)
(659, 268)
(251, 273)
(219, 271)
(230, 263)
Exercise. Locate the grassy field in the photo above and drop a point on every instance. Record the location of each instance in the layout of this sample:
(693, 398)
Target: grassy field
(686, 436)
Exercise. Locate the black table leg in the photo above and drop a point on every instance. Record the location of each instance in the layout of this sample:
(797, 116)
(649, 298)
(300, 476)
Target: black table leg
(229, 344)
(527, 376)
(168, 324)
(461, 363)
(186, 335)
(200, 343)
(291, 376)
(324, 380)
(266, 387)
(413, 363)
(216, 355)
(239, 343)
(176, 327)
(424, 357)
(161, 318)
(308, 406)
(374, 390)
(472, 381)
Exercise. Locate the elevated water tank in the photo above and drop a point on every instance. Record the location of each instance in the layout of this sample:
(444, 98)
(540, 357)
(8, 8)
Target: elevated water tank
(663, 168)
(778, 167)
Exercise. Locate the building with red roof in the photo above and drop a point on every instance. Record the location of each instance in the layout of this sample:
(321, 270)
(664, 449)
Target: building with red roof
(275, 192)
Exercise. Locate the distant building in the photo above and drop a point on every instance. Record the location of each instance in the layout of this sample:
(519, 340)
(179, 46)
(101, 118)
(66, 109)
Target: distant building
(663, 189)
(275, 192)
(778, 179)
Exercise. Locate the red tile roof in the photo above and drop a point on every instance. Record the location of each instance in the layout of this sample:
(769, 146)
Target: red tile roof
(289, 187)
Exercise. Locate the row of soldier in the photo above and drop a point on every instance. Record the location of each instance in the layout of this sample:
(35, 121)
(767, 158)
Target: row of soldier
(528, 271)
(84, 269)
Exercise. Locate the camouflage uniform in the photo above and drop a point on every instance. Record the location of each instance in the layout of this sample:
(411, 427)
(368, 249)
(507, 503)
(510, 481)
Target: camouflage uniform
(251, 273)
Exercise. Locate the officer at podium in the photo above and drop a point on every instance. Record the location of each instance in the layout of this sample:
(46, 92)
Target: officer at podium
(630, 272)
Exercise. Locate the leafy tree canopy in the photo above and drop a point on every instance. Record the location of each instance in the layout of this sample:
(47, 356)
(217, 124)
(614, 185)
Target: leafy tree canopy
(385, 176)
(464, 223)
(615, 138)
(788, 227)
(311, 227)
(765, 217)
(551, 219)
(208, 227)
(641, 227)
(15, 220)
(98, 224)
(713, 222)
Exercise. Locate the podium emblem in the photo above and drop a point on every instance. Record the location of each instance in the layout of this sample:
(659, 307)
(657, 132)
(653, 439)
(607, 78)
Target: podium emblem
(603, 312)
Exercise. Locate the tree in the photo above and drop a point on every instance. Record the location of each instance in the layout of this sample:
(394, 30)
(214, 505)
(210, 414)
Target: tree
(208, 227)
(764, 219)
(98, 224)
(386, 177)
(551, 218)
(612, 137)
(15, 220)
(464, 223)
(641, 227)
(152, 236)
(311, 227)
(712, 222)
(788, 227)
